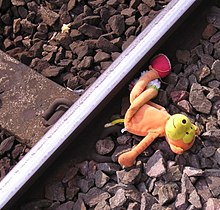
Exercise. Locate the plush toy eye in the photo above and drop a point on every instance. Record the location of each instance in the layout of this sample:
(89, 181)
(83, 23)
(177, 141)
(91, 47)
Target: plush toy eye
(184, 121)
(187, 133)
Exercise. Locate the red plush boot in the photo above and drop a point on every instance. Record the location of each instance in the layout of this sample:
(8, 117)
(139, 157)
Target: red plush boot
(161, 64)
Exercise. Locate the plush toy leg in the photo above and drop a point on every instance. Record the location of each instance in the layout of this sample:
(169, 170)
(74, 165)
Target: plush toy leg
(142, 99)
(157, 106)
(127, 159)
(142, 83)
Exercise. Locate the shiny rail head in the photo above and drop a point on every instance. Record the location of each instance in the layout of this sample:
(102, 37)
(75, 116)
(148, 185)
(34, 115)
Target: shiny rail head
(47, 146)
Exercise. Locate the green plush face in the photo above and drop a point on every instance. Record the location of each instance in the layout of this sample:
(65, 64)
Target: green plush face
(179, 127)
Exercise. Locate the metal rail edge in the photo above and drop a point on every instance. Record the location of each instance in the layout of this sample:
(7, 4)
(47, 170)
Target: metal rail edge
(27, 167)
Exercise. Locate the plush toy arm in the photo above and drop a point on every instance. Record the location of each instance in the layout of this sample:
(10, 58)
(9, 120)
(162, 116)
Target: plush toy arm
(142, 99)
(142, 84)
(157, 106)
(127, 159)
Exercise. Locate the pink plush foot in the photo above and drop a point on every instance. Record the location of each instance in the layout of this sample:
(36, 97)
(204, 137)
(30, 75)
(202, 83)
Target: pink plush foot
(161, 64)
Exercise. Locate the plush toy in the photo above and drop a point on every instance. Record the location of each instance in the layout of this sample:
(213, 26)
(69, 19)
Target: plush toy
(145, 118)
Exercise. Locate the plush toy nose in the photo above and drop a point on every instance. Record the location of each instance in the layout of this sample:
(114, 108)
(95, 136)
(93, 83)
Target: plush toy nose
(161, 64)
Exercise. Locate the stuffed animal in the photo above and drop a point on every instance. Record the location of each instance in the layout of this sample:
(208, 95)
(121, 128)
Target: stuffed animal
(145, 118)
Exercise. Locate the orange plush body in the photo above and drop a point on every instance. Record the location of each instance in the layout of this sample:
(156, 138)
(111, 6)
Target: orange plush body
(145, 118)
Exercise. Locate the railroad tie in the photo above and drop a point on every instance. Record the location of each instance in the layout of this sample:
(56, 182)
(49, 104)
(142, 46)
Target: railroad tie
(25, 95)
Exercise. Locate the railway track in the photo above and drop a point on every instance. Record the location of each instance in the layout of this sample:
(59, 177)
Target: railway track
(78, 117)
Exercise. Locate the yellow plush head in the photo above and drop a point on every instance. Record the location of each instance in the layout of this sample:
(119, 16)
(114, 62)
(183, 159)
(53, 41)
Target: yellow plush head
(179, 127)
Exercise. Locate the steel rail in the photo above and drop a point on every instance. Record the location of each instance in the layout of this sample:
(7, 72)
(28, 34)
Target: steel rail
(89, 101)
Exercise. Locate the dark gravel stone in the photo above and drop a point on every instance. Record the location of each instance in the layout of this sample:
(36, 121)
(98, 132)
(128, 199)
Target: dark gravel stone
(95, 196)
(182, 84)
(17, 151)
(147, 200)
(32, 6)
(168, 193)
(203, 190)
(104, 146)
(215, 38)
(101, 56)
(27, 26)
(92, 20)
(42, 27)
(185, 106)
(128, 12)
(108, 168)
(161, 98)
(216, 69)
(79, 204)
(217, 156)
(198, 99)
(155, 165)
(106, 45)
(131, 176)
(71, 192)
(183, 56)
(186, 184)
(7, 19)
(117, 24)
(102, 205)
(55, 191)
(49, 17)
(143, 9)
(194, 199)
(214, 84)
(150, 3)
(8, 44)
(73, 82)
(134, 3)
(213, 17)
(179, 95)
(86, 63)
(207, 59)
(202, 73)
(181, 201)
(52, 71)
(84, 184)
(71, 4)
(6, 144)
(22, 11)
(18, 2)
(214, 95)
(209, 31)
(212, 203)
(70, 174)
(118, 199)
(173, 174)
(213, 183)
(36, 49)
(190, 171)
(4, 5)
(80, 50)
(66, 206)
(90, 31)
(133, 206)
(208, 151)
(37, 204)
(212, 135)
(101, 179)
(64, 40)
(123, 139)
